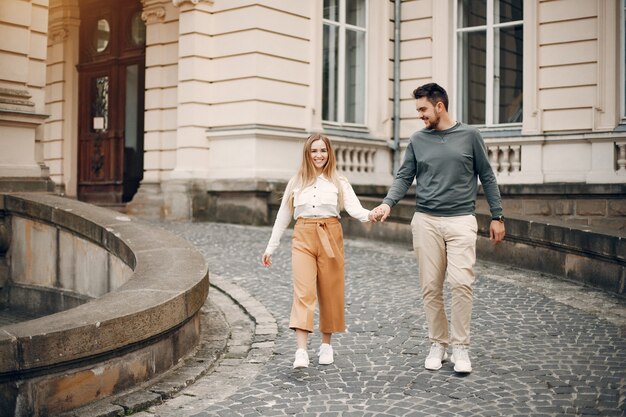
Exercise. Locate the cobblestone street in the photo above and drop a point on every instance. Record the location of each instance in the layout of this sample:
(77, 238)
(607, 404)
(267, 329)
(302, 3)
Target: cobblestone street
(540, 346)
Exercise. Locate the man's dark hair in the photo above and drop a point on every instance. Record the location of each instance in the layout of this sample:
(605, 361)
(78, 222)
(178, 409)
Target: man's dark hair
(433, 92)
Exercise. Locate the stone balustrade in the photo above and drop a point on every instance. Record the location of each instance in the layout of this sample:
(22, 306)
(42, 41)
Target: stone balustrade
(620, 159)
(505, 159)
(357, 158)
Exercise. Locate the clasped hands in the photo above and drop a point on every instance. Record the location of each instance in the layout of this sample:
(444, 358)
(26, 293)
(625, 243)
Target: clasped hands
(496, 229)
(379, 213)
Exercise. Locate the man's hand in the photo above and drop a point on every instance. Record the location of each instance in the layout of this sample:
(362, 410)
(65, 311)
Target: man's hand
(380, 213)
(496, 231)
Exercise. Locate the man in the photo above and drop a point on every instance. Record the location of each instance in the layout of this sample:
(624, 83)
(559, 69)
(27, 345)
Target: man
(445, 158)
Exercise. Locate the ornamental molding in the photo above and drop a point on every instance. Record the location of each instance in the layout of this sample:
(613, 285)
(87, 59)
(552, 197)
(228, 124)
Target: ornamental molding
(177, 3)
(153, 15)
(16, 100)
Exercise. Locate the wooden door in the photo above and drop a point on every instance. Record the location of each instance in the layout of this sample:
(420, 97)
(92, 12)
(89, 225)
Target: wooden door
(111, 94)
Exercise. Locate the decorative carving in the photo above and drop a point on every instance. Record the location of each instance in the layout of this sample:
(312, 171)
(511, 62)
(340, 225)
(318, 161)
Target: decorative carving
(153, 15)
(97, 159)
(100, 116)
(57, 35)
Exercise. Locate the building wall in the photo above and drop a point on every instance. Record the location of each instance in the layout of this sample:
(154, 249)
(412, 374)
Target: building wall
(23, 30)
(233, 88)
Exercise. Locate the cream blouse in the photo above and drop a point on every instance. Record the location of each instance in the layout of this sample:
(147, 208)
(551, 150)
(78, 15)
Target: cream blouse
(317, 200)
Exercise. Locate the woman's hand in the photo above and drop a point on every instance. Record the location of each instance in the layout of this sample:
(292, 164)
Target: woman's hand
(379, 213)
(267, 260)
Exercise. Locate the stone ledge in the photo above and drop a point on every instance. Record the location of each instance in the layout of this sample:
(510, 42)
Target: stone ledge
(576, 253)
(214, 349)
(163, 296)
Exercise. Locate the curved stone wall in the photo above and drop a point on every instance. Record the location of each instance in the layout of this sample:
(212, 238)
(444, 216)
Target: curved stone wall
(130, 329)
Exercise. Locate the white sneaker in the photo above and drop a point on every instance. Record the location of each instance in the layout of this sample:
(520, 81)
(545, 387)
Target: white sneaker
(436, 356)
(325, 354)
(302, 359)
(460, 359)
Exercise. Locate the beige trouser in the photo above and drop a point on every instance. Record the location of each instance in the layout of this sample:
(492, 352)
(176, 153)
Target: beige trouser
(318, 273)
(446, 244)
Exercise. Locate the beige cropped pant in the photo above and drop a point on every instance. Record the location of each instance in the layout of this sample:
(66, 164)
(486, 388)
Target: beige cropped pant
(446, 245)
(318, 274)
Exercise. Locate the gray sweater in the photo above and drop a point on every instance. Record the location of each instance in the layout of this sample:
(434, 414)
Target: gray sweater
(446, 164)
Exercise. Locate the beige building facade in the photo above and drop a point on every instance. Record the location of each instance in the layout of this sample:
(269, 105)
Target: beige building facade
(176, 108)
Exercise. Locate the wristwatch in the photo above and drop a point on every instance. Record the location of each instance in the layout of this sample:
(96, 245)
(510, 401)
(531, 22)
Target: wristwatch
(499, 218)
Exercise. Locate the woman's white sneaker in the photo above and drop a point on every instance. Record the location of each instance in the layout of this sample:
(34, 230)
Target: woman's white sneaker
(325, 354)
(302, 359)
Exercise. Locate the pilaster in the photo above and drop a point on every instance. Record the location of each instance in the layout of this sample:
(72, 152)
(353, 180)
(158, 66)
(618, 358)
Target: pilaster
(22, 82)
(60, 136)
(194, 70)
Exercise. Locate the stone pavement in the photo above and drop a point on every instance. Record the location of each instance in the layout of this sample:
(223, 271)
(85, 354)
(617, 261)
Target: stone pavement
(540, 346)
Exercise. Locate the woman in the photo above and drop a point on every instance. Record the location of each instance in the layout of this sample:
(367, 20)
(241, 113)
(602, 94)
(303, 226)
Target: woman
(314, 197)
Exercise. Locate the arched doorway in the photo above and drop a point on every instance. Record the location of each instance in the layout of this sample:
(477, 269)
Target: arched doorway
(111, 100)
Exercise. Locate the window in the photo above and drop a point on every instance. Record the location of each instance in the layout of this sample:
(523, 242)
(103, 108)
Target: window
(343, 73)
(489, 61)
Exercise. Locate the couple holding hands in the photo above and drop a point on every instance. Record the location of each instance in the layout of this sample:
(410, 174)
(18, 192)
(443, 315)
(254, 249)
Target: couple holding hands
(445, 159)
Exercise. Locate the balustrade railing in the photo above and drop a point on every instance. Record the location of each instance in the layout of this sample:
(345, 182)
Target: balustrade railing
(620, 157)
(505, 159)
(355, 158)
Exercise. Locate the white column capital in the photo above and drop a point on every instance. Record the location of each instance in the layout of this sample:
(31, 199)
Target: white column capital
(177, 3)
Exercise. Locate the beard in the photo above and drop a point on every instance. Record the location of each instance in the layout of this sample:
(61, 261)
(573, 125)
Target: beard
(432, 123)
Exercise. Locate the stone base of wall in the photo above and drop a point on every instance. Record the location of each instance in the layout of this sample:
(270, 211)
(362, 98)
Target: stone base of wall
(601, 206)
(148, 203)
(238, 202)
(18, 185)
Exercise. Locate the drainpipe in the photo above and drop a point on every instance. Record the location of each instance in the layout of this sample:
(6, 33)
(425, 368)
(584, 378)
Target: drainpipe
(396, 87)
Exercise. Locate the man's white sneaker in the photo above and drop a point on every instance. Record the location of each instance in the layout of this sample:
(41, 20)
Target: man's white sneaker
(460, 359)
(436, 356)
(302, 359)
(325, 354)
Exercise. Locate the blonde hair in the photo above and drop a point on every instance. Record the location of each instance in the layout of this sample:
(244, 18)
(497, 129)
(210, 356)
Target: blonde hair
(307, 174)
